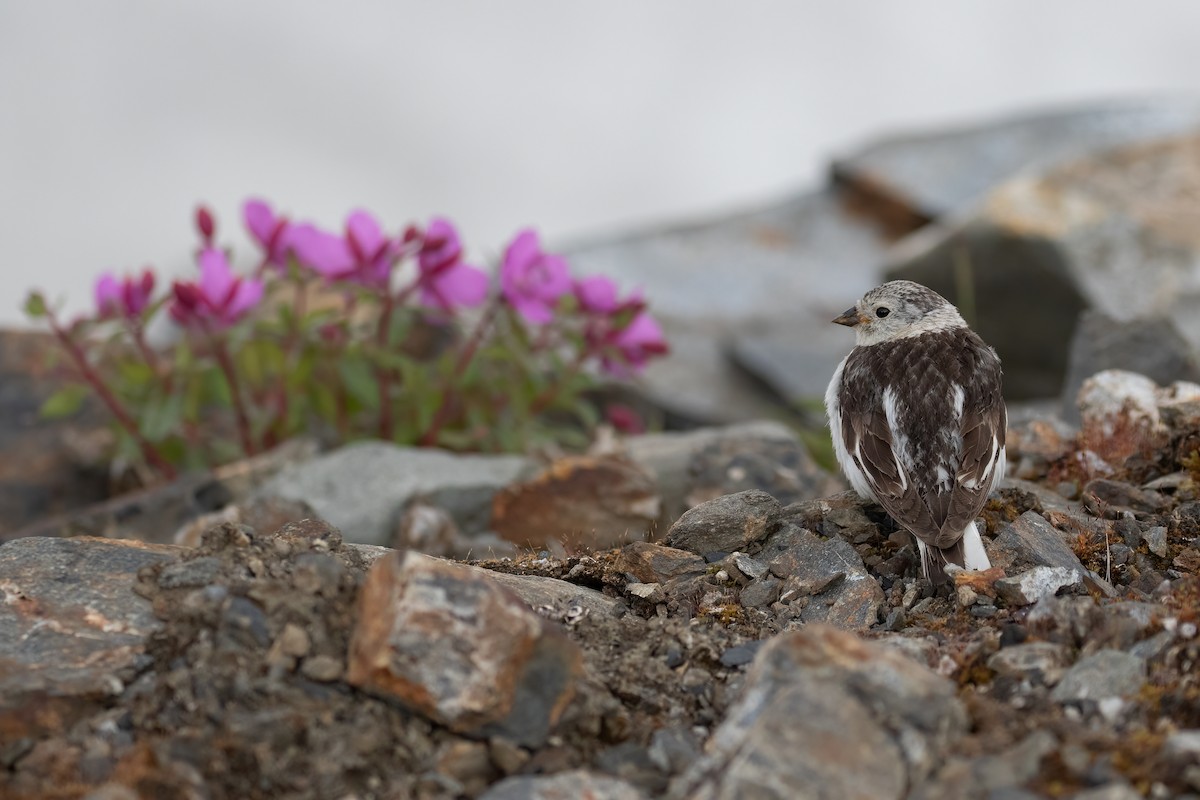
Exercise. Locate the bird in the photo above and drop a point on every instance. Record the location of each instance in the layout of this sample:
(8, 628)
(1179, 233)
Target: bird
(917, 417)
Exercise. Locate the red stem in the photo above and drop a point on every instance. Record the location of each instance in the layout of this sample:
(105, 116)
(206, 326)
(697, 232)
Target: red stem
(239, 408)
(441, 416)
(383, 375)
(149, 451)
(548, 395)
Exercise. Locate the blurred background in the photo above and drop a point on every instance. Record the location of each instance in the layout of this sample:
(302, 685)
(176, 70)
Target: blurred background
(582, 119)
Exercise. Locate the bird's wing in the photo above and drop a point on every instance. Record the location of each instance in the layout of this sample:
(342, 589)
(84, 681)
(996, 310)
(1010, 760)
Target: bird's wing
(983, 427)
(870, 442)
(937, 512)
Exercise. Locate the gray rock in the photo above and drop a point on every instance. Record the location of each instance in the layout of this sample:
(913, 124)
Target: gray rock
(797, 263)
(563, 786)
(991, 775)
(1030, 541)
(781, 468)
(1034, 584)
(1037, 662)
(668, 456)
(795, 369)
(726, 524)
(1107, 673)
(825, 714)
(457, 647)
(362, 488)
(1119, 790)
(1156, 540)
(934, 173)
(1184, 743)
(71, 629)
(825, 581)
(1153, 347)
(1102, 233)
(193, 572)
(761, 592)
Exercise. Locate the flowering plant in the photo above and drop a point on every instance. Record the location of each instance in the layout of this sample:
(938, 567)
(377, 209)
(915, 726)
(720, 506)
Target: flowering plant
(349, 335)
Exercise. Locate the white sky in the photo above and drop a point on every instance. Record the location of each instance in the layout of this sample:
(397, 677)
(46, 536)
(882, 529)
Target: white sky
(116, 116)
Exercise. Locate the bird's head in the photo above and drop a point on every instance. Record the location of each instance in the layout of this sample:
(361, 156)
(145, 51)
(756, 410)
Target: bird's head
(899, 309)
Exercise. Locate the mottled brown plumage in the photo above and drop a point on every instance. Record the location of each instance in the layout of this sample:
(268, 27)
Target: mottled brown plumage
(919, 419)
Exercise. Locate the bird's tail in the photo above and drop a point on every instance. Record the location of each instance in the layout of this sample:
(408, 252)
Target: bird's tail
(967, 553)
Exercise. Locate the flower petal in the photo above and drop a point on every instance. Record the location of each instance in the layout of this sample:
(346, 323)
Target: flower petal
(597, 294)
(216, 277)
(260, 220)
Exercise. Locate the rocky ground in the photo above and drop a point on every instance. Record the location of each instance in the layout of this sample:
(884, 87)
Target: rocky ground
(755, 650)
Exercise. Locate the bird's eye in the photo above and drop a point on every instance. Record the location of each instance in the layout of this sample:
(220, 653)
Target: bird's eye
(882, 311)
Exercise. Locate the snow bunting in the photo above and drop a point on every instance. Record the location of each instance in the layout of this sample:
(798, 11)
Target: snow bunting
(918, 420)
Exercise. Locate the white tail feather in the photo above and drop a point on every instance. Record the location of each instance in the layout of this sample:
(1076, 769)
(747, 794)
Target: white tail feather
(973, 552)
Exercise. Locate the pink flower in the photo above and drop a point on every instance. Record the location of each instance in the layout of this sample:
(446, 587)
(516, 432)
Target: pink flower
(531, 279)
(597, 294)
(445, 281)
(125, 297)
(364, 255)
(270, 231)
(206, 225)
(218, 299)
(632, 346)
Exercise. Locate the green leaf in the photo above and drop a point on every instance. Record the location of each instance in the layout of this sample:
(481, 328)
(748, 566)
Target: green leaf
(359, 381)
(134, 373)
(161, 417)
(35, 305)
(65, 402)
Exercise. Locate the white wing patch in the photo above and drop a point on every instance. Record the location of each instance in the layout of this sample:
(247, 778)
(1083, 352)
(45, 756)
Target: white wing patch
(900, 445)
(957, 397)
(854, 474)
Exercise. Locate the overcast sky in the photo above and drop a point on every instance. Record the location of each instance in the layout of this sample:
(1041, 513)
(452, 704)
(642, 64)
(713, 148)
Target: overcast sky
(582, 119)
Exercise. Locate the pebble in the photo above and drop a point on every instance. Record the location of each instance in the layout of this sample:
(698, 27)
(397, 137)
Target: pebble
(322, 669)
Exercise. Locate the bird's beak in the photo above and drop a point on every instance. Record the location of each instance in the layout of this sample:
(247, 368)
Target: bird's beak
(850, 317)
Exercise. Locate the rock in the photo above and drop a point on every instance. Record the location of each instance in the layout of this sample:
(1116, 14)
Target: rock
(726, 524)
(260, 513)
(741, 654)
(1032, 585)
(927, 175)
(668, 457)
(362, 488)
(1103, 493)
(72, 631)
(1107, 673)
(808, 247)
(1152, 347)
(61, 467)
(1102, 233)
(781, 468)
(427, 529)
(991, 776)
(795, 371)
(537, 591)
(652, 563)
(1156, 540)
(1184, 743)
(1112, 791)
(761, 592)
(1117, 402)
(824, 581)
(1030, 541)
(581, 502)
(1037, 662)
(824, 714)
(844, 514)
(570, 785)
(460, 649)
